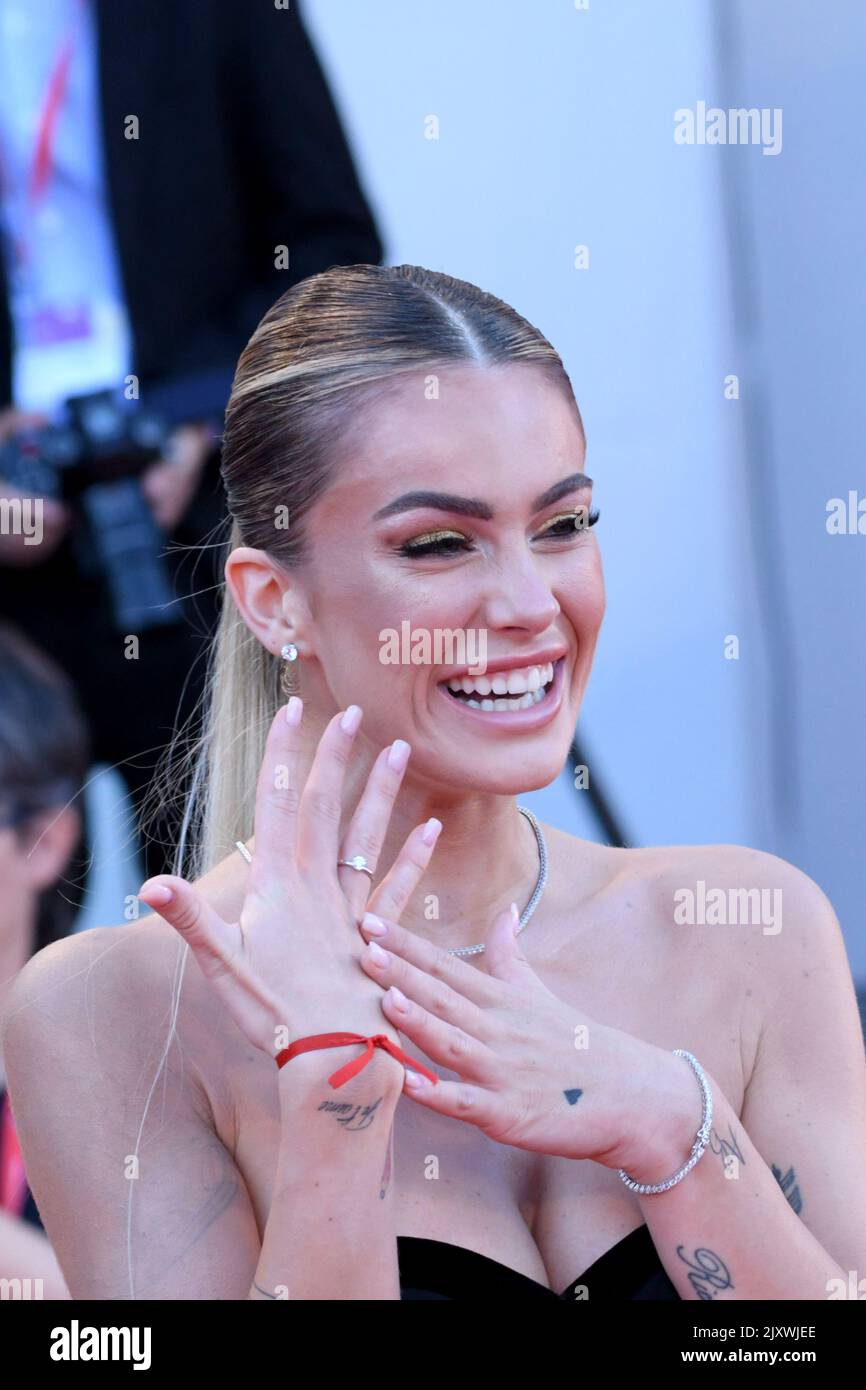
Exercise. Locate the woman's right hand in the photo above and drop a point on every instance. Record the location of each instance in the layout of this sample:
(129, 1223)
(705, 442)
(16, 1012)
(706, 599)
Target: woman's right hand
(289, 966)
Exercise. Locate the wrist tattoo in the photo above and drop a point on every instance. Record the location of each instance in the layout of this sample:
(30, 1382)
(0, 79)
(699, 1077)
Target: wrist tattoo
(351, 1116)
(788, 1184)
(573, 1096)
(710, 1272)
(727, 1149)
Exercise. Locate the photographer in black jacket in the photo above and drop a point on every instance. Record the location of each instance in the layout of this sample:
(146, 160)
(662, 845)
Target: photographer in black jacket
(167, 171)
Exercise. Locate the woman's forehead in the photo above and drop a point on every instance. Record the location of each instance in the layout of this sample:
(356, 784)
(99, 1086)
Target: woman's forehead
(504, 423)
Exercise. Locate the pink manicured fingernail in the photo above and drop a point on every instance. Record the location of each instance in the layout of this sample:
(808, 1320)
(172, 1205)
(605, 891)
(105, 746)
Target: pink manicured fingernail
(431, 830)
(377, 954)
(415, 1080)
(374, 925)
(351, 719)
(294, 710)
(160, 892)
(398, 754)
(398, 999)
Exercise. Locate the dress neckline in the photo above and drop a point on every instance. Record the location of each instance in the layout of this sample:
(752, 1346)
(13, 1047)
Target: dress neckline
(638, 1236)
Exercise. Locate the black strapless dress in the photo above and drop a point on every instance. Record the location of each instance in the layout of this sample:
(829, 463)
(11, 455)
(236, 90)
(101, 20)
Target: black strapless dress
(630, 1270)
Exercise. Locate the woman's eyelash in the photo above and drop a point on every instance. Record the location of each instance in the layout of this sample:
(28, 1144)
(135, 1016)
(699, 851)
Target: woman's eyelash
(576, 521)
(451, 542)
(434, 543)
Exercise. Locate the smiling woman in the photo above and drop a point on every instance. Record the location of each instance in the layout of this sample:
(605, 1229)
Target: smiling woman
(575, 1089)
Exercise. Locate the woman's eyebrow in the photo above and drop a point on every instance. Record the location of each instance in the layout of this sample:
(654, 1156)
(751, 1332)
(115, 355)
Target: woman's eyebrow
(473, 506)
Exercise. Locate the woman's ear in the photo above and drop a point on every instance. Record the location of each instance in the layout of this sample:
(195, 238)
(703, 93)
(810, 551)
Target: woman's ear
(268, 598)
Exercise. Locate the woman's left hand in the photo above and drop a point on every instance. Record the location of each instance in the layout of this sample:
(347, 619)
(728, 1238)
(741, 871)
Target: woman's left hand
(533, 1071)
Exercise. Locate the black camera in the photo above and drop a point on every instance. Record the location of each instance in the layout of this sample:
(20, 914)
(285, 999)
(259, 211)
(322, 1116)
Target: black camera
(92, 459)
(100, 440)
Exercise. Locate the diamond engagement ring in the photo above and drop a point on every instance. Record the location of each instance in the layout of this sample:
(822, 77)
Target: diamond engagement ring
(357, 862)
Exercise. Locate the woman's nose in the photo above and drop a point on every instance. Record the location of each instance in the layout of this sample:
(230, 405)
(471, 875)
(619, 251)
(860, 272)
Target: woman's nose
(520, 596)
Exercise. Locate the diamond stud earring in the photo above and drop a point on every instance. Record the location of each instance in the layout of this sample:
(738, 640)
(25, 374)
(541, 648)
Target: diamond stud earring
(289, 675)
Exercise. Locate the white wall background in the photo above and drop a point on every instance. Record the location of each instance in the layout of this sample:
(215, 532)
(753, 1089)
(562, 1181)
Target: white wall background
(556, 129)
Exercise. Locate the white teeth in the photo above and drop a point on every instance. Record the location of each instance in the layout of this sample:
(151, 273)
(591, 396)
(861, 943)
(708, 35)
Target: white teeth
(520, 681)
(523, 703)
(531, 697)
(523, 688)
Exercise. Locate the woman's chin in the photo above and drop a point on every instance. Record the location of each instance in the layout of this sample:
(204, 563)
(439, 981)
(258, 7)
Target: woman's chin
(496, 772)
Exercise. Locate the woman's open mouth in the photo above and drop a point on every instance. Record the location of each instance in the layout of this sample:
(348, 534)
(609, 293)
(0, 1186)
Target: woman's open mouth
(506, 692)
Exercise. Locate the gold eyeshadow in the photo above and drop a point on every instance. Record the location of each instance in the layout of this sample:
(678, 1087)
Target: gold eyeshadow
(425, 543)
(588, 517)
(435, 536)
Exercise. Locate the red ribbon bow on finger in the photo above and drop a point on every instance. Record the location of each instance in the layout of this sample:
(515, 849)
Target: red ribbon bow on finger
(351, 1069)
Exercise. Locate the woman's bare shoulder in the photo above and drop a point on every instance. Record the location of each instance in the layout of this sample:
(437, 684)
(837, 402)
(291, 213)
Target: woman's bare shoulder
(727, 885)
(732, 932)
(748, 914)
(106, 990)
(118, 974)
(102, 1042)
(678, 869)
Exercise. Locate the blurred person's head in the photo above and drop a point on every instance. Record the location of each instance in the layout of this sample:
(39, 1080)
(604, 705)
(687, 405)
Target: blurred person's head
(360, 385)
(44, 756)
